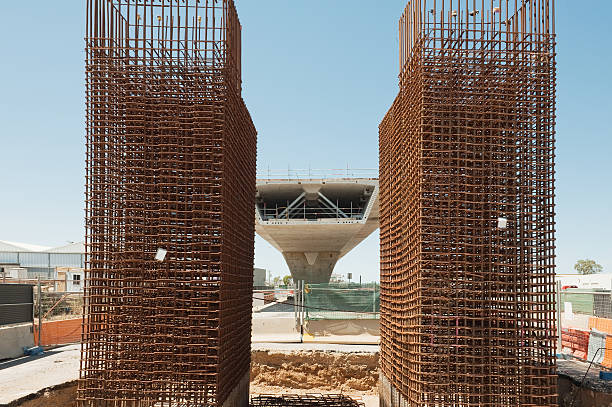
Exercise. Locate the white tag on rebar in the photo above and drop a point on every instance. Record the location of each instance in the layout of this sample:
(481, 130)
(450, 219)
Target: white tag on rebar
(161, 254)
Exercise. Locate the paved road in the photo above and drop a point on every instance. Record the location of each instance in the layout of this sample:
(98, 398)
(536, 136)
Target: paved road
(283, 306)
(29, 374)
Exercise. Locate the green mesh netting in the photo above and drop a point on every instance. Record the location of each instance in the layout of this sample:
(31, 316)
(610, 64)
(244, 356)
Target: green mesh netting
(354, 301)
(582, 302)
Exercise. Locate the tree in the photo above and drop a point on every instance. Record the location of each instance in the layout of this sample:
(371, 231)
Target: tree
(276, 281)
(587, 266)
(287, 280)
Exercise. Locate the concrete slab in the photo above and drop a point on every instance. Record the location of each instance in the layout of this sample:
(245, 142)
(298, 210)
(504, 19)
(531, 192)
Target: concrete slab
(27, 375)
(314, 346)
(370, 401)
(274, 327)
(280, 327)
(344, 339)
(290, 338)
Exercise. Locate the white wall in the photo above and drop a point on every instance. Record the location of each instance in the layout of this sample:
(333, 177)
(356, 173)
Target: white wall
(601, 280)
(13, 338)
(71, 286)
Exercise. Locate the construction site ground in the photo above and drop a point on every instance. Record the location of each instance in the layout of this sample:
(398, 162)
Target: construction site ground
(289, 368)
(580, 386)
(277, 368)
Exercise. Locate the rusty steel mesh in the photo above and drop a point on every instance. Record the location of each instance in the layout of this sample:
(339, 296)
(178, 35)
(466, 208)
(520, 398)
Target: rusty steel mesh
(307, 400)
(171, 153)
(467, 305)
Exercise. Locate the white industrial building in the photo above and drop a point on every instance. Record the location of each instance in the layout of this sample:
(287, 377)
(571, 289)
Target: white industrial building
(64, 264)
(26, 261)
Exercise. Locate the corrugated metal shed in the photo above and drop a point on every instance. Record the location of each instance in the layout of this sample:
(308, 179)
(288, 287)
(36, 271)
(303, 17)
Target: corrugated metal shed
(9, 258)
(35, 256)
(75, 247)
(66, 260)
(34, 259)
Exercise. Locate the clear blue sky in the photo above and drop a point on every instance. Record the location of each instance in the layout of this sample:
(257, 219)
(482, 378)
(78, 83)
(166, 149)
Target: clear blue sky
(318, 77)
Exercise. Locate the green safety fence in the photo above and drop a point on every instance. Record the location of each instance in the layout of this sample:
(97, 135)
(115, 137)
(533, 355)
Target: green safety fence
(596, 302)
(582, 302)
(330, 301)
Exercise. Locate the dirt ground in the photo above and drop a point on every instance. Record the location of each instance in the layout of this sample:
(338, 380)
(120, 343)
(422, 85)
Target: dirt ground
(273, 372)
(60, 397)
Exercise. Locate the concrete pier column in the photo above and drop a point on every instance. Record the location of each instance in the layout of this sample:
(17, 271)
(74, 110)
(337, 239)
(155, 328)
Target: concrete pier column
(314, 267)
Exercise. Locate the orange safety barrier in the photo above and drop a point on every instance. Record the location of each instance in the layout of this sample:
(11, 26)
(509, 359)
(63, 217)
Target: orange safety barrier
(59, 332)
(576, 341)
(607, 362)
(601, 324)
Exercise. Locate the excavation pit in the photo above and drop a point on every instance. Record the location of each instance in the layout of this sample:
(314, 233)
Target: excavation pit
(278, 378)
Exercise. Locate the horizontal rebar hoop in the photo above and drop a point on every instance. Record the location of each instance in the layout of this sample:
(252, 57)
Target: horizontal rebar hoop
(171, 153)
(467, 303)
(309, 400)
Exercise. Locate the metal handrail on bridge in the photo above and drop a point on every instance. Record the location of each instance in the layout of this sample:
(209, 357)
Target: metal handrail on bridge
(317, 173)
(306, 213)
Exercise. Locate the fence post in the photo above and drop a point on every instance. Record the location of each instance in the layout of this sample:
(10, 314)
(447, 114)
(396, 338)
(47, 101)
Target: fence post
(301, 285)
(39, 312)
(303, 301)
(559, 331)
(295, 302)
(609, 310)
(374, 299)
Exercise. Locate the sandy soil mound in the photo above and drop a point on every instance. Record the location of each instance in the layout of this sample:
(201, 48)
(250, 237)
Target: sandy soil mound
(314, 370)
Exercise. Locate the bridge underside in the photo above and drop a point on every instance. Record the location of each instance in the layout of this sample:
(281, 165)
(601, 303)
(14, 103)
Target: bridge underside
(313, 267)
(314, 223)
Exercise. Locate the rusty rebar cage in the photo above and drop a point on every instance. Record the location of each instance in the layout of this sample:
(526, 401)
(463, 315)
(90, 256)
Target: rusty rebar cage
(171, 153)
(467, 301)
(307, 400)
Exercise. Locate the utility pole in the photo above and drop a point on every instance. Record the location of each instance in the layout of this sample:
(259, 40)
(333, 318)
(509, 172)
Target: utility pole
(374, 297)
(39, 312)
(559, 331)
